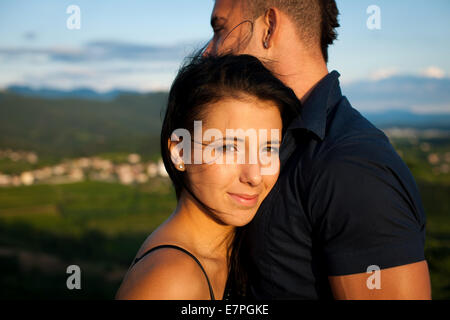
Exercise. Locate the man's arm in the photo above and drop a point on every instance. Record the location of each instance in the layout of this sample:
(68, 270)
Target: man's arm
(406, 282)
(367, 212)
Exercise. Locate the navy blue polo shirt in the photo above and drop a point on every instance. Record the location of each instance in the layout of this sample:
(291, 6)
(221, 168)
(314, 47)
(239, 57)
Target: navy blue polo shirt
(344, 201)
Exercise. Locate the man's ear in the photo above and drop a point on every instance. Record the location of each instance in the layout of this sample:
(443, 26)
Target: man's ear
(271, 19)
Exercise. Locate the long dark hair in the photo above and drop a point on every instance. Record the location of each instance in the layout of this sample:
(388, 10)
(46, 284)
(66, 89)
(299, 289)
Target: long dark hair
(202, 81)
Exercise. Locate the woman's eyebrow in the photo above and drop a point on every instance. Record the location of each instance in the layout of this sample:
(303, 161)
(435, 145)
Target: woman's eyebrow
(273, 142)
(232, 139)
(241, 140)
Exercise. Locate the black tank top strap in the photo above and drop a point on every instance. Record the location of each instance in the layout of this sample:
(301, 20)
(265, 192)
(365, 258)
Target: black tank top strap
(211, 292)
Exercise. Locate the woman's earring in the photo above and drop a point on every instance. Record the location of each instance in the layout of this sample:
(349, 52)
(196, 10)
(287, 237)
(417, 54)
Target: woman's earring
(266, 45)
(181, 166)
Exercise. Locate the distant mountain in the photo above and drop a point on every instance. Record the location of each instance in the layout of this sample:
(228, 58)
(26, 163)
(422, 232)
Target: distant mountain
(403, 101)
(85, 122)
(81, 93)
(409, 93)
(402, 118)
(413, 94)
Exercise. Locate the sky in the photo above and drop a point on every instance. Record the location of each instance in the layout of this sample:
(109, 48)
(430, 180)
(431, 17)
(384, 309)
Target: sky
(140, 44)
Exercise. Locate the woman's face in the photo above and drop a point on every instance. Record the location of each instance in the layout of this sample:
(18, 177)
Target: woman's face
(233, 177)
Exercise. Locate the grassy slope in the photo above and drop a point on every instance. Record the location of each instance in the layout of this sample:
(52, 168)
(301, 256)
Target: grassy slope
(57, 128)
(98, 226)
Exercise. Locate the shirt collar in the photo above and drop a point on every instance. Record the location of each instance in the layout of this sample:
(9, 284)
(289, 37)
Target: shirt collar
(314, 111)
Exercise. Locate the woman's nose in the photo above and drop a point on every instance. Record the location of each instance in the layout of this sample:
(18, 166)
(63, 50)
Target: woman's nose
(251, 174)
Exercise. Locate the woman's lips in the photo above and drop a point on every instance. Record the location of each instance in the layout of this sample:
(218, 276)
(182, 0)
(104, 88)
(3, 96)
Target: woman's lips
(244, 199)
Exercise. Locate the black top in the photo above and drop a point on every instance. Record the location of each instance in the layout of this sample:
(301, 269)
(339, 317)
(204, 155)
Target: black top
(344, 201)
(211, 292)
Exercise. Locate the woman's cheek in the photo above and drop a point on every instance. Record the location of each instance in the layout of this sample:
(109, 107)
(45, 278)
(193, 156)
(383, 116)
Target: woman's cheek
(270, 181)
(216, 176)
(223, 174)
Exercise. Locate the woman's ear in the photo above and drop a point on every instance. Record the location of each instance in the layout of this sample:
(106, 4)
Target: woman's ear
(176, 154)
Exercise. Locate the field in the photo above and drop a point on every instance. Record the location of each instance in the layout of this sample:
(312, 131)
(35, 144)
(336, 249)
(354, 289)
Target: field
(99, 226)
(428, 160)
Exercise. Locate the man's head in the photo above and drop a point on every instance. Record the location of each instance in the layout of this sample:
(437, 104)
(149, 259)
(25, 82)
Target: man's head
(252, 26)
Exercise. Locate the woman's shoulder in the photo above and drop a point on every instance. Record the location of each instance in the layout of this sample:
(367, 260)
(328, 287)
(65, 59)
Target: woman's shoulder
(165, 274)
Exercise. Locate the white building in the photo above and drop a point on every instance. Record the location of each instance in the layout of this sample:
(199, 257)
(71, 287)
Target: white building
(152, 170)
(5, 180)
(27, 178)
(134, 158)
(125, 174)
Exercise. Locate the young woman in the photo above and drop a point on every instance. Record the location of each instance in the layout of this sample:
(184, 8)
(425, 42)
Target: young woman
(194, 252)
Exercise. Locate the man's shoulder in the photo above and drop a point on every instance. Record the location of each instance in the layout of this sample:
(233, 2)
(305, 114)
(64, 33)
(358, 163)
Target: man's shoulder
(345, 123)
(350, 134)
(352, 143)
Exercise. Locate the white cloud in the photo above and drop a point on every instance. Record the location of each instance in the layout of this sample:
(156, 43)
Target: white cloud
(102, 51)
(100, 66)
(433, 72)
(384, 73)
(431, 109)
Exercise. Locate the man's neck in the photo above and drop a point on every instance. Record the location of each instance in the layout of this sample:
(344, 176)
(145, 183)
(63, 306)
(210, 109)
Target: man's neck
(301, 75)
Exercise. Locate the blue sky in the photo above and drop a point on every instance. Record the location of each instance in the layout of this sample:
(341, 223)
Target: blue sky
(139, 44)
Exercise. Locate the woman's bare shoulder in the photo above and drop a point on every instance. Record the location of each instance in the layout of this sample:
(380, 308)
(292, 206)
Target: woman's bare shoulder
(165, 274)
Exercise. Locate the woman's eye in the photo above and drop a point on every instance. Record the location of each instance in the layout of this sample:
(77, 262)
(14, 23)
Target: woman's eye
(231, 147)
(271, 149)
(228, 148)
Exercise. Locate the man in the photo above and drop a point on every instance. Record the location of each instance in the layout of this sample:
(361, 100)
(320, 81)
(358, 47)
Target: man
(345, 203)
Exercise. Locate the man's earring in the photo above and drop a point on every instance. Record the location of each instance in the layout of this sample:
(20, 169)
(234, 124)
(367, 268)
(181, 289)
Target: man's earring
(266, 45)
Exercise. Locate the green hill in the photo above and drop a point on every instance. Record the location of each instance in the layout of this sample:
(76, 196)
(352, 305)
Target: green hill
(59, 128)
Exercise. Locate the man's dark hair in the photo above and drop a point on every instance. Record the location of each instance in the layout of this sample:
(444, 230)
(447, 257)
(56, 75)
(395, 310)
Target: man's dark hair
(316, 20)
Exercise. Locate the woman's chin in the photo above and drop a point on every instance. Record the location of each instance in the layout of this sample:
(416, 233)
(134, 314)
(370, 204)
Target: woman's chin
(240, 221)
